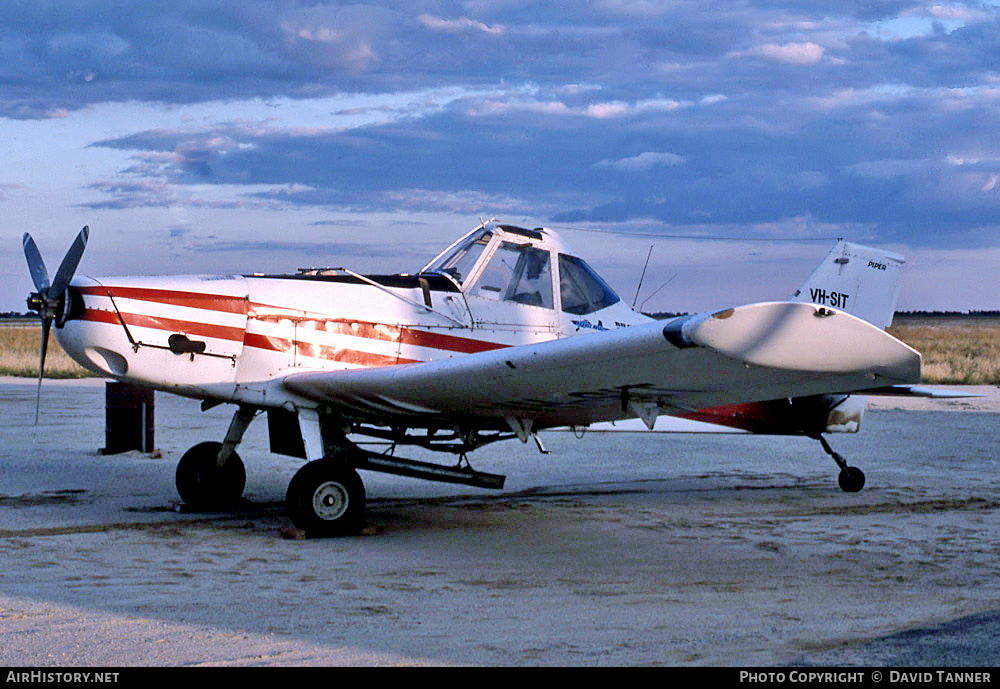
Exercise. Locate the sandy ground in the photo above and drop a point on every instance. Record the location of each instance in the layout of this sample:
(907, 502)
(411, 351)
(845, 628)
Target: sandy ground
(617, 549)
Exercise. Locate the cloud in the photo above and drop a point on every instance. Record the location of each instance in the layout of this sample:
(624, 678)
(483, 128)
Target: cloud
(151, 193)
(601, 110)
(747, 115)
(530, 149)
(336, 38)
(642, 162)
(464, 202)
(457, 26)
(789, 53)
(140, 194)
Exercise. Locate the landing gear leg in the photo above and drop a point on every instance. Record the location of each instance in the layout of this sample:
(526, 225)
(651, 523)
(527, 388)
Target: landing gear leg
(851, 479)
(211, 476)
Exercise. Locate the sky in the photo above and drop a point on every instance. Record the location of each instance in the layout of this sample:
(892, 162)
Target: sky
(730, 142)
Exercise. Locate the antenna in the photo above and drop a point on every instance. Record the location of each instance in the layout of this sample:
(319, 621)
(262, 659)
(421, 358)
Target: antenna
(642, 276)
(655, 291)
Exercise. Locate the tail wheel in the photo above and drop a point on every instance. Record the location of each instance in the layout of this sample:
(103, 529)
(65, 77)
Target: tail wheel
(202, 484)
(851, 479)
(326, 498)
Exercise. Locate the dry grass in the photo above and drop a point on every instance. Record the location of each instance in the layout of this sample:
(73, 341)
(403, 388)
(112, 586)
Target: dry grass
(19, 344)
(956, 350)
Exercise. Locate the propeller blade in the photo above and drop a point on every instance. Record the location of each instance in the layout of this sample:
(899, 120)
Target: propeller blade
(50, 301)
(69, 263)
(46, 327)
(36, 266)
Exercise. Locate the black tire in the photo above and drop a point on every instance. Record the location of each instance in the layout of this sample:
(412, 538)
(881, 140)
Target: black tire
(326, 498)
(205, 486)
(851, 479)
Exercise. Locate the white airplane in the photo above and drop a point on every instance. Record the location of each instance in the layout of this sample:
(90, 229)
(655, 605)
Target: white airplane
(505, 333)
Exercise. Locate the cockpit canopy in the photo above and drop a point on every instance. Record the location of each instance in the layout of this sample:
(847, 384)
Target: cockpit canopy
(512, 264)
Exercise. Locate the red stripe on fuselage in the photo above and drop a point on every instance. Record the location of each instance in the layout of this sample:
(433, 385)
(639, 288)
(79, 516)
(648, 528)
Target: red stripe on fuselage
(451, 343)
(194, 300)
(273, 344)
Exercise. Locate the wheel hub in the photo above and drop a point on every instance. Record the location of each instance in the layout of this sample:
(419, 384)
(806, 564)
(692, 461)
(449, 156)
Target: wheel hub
(330, 500)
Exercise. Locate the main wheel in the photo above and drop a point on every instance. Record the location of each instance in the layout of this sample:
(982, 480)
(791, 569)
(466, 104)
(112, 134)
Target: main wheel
(326, 498)
(203, 484)
(851, 479)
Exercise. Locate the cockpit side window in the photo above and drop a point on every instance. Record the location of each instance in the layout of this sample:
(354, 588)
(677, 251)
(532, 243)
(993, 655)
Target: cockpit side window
(582, 290)
(460, 262)
(517, 273)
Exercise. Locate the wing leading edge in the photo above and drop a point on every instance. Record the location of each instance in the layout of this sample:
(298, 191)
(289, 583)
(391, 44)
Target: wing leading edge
(751, 353)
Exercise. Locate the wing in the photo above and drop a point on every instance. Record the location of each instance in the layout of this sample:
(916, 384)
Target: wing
(757, 352)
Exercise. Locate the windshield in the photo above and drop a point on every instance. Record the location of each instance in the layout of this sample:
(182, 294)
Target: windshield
(460, 262)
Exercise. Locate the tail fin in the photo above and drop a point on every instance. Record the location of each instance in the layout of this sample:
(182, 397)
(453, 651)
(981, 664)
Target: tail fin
(857, 279)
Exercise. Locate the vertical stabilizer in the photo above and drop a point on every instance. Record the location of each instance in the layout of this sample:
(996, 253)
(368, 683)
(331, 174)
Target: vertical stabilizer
(857, 279)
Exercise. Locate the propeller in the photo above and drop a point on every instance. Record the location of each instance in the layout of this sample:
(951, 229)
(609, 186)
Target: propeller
(52, 299)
